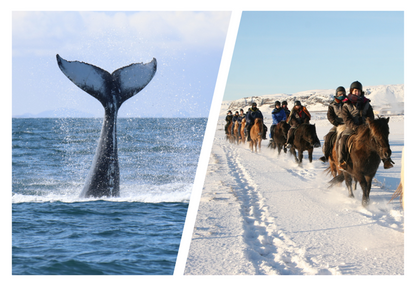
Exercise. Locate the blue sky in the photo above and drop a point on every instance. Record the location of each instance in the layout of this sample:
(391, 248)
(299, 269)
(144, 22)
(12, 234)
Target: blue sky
(288, 52)
(187, 45)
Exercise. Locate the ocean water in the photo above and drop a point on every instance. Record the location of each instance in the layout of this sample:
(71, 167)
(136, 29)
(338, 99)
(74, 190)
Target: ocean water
(54, 232)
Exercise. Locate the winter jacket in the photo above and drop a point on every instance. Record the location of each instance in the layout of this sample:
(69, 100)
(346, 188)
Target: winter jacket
(334, 113)
(297, 117)
(354, 114)
(229, 118)
(278, 114)
(253, 114)
(287, 111)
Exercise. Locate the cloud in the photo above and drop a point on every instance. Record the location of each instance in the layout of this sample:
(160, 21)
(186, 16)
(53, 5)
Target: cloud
(40, 33)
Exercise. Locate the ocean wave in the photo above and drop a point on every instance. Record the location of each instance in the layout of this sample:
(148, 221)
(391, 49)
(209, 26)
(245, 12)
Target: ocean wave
(146, 193)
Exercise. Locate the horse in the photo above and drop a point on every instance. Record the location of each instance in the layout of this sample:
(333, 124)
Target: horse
(256, 132)
(243, 136)
(279, 136)
(305, 138)
(236, 132)
(229, 136)
(367, 146)
(400, 189)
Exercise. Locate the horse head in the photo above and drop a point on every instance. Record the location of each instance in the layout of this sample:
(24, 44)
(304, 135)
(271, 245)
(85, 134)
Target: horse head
(311, 137)
(379, 130)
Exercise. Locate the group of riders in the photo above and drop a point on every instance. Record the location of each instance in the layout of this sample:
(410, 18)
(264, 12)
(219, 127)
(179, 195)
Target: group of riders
(352, 110)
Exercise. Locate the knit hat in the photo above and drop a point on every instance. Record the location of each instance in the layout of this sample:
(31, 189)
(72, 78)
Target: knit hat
(356, 85)
(340, 88)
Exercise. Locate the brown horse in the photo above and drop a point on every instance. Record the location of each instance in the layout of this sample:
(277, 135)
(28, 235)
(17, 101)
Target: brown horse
(236, 133)
(279, 136)
(367, 146)
(305, 138)
(243, 136)
(256, 132)
(230, 137)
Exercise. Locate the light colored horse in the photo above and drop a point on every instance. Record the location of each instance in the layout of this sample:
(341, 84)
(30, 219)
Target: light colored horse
(400, 189)
(256, 133)
(243, 136)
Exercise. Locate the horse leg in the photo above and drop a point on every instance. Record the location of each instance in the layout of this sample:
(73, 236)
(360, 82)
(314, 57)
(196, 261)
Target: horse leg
(293, 152)
(300, 155)
(310, 155)
(366, 186)
(348, 183)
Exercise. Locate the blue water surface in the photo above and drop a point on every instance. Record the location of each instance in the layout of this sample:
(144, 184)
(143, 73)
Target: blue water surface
(55, 232)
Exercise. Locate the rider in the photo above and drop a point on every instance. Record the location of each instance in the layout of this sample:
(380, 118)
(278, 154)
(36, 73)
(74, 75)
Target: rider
(240, 121)
(355, 110)
(284, 106)
(278, 114)
(298, 115)
(235, 119)
(228, 119)
(334, 116)
(252, 115)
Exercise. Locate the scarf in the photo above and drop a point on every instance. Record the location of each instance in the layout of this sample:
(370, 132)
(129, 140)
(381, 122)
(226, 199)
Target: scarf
(339, 98)
(358, 101)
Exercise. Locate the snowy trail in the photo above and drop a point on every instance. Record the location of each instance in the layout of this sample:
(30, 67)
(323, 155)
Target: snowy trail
(265, 214)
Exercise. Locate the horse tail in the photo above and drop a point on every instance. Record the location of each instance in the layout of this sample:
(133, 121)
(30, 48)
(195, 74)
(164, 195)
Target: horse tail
(336, 180)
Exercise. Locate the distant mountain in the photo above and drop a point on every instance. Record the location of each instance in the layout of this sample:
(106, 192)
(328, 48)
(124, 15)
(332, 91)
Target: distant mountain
(60, 112)
(385, 99)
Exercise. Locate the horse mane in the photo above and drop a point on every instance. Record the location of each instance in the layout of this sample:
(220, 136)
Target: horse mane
(364, 131)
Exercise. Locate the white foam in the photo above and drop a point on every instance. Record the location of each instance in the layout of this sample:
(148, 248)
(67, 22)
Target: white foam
(174, 192)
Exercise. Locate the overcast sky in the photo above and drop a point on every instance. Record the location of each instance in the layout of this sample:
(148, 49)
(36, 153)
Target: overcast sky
(187, 45)
(288, 52)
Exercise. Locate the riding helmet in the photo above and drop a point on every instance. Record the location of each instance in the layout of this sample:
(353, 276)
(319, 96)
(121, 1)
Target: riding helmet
(297, 103)
(277, 103)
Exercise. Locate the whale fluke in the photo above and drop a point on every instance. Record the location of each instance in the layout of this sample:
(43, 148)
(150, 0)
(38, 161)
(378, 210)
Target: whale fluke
(111, 90)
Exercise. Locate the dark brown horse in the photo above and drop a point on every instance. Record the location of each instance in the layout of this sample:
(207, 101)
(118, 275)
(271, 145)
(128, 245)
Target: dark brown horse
(367, 147)
(279, 136)
(305, 138)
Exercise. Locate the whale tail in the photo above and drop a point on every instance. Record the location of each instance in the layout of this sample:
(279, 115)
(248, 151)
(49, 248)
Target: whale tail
(128, 80)
(111, 90)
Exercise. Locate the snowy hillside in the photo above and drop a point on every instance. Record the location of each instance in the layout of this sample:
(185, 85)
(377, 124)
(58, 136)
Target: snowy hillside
(385, 99)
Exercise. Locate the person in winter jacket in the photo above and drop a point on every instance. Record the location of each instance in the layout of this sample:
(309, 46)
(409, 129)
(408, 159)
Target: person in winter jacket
(228, 119)
(334, 116)
(298, 116)
(355, 111)
(235, 121)
(286, 109)
(252, 114)
(278, 114)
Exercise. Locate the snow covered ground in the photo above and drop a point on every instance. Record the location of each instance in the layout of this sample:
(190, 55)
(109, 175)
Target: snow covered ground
(265, 214)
